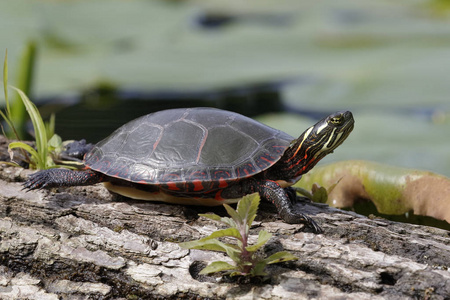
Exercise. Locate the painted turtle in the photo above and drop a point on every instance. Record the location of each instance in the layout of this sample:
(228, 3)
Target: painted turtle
(204, 156)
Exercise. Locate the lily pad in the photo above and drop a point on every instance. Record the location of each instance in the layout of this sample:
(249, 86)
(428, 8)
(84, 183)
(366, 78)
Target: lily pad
(392, 190)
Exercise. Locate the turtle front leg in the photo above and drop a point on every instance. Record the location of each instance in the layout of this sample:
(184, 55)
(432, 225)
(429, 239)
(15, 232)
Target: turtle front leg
(273, 192)
(61, 177)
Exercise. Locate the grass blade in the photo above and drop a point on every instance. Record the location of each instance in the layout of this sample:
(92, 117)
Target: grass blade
(5, 83)
(18, 114)
(34, 155)
(50, 126)
(6, 120)
(39, 127)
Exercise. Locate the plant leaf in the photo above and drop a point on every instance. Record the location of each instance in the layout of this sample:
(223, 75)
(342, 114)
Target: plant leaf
(7, 120)
(234, 254)
(258, 269)
(211, 216)
(280, 257)
(320, 195)
(208, 244)
(224, 220)
(55, 142)
(7, 116)
(229, 221)
(237, 273)
(24, 83)
(215, 245)
(50, 125)
(331, 187)
(34, 155)
(233, 214)
(248, 207)
(263, 237)
(304, 192)
(217, 266)
(5, 83)
(39, 127)
(233, 232)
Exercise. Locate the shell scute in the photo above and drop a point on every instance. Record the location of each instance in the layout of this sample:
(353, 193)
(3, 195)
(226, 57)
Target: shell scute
(143, 174)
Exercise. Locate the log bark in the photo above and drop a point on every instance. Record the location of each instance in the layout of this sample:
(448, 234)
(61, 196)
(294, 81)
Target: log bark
(85, 243)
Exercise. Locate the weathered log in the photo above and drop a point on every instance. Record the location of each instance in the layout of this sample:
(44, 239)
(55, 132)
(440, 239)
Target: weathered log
(84, 243)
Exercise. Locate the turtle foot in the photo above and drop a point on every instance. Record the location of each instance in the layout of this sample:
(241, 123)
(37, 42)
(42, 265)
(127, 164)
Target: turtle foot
(299, 218)
(39, 180)
(61, 177)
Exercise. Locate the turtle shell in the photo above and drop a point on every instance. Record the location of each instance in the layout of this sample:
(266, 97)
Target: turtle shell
(187, 145)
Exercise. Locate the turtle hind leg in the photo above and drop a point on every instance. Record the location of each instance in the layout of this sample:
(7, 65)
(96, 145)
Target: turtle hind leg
(61, 177)
(274, 193)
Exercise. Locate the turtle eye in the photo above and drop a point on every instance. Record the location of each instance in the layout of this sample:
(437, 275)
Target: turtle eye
(338, 120)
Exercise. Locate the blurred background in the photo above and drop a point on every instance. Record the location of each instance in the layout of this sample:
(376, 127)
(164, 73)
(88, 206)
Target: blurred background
(286, 63)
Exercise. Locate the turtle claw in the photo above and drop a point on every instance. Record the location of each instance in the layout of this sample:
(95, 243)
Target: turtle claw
(299, 218)
(308, 221)
(37, 180)
(313, 225)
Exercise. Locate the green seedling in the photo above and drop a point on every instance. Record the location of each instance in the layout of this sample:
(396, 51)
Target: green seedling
(41, 156)
(318, 194)
(247, 261)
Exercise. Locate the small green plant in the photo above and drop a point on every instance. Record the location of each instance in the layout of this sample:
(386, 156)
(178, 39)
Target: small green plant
(247, 262)
(41, 157)
(318, 194)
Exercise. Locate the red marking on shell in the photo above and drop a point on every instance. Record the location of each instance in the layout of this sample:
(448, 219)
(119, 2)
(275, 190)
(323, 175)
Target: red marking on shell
(222, 183)
(172, 186)
(220, 174)
(279, 149)
(199, 174)
(202, 144)
(198, 186)
(265, 160)
(159, 137)
(245, 170)
(104, 167)
(218, 195)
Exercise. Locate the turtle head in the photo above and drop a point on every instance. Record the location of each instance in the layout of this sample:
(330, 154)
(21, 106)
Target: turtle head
(316, 142)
